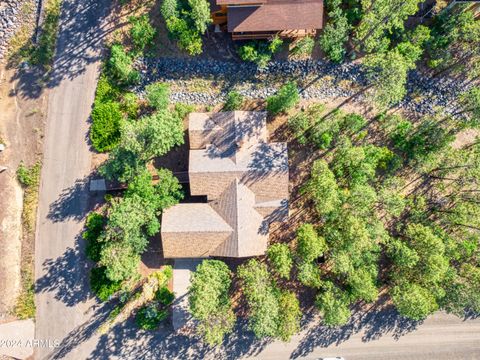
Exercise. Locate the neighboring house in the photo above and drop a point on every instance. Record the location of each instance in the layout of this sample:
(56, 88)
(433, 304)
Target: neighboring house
(245, 181)
(262, 19)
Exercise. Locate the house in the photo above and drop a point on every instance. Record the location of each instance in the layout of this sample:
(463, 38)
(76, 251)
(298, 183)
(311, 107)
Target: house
(263, 19)
(245, 181)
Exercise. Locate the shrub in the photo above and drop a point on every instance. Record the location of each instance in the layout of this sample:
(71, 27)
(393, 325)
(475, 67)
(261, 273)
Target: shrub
(164, 296)
(183, 109)
(234, 101)
(158, 95)
(129, 105)
(106, 91)
(142, 32)
(94, 226)
(106, 122)
(304, 46)
(101, 285)
(260, 52)
(28, 176)
(120, 66)
(149, 317)
(280, 257)
(188, 38)
(286, 98)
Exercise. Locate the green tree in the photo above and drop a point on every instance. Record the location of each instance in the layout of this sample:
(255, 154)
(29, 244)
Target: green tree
(120, 66)
(261, 296)
(140, 142)
(413, 301)
(470, 102)
(169, 9)
(388, 75)
(310, 245)
(210, 302)
(289, 315)
(120, 261)
(363, 286)
(286, 98)
(333, 305)
(308, 273)
(141, 32)
(335, 33)
(200, 14)
(455, 43)
(323, 188)
(158, 95)
(381, 18)
(280, 256)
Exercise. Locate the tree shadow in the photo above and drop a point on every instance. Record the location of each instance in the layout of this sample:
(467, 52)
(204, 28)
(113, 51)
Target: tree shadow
(374, 323)
(126, 341)
(82, 28)
(65, 276)
(72, 204)
(82, 333)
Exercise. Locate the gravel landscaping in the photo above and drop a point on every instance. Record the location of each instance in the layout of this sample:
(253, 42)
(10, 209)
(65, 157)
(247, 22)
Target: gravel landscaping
(328, 80)
(10, 19)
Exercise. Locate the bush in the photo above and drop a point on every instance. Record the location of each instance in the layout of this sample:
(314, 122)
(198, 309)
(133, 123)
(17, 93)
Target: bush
(234, 101)
(184, 109)
(149, 317)
(106, 122)
(158, 95)
(106, 91)
(164, 296)
(129, 105)
(303, 46)
(28, 176)
(286, 98)
(120, 66)
(260, 52)
(188, 38)
(142, 32)
(101, 285)
(94, 226)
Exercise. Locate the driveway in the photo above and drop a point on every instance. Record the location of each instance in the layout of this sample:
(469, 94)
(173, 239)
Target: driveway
(61, 270)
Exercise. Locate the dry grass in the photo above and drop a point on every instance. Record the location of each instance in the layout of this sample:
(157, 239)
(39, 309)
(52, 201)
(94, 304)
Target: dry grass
(30, 179)
(21, 45)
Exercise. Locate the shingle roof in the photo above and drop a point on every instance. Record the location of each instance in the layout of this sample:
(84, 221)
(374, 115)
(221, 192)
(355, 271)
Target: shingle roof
(276, 15)
(245, 179)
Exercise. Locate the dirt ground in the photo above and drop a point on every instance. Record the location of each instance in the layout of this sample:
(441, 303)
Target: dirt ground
(22, 109)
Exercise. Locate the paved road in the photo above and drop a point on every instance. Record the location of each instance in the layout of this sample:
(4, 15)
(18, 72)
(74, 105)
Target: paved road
(61, 270)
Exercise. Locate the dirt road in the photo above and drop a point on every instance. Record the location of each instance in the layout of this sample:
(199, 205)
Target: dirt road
(21, 130)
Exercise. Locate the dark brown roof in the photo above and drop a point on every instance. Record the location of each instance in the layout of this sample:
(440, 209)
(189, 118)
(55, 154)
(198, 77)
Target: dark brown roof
(276, 15)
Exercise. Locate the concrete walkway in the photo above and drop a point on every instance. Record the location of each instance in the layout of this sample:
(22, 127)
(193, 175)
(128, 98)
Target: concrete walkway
(182, 271)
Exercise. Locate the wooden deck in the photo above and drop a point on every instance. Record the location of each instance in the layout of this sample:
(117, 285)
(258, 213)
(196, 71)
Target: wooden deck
(101, 184)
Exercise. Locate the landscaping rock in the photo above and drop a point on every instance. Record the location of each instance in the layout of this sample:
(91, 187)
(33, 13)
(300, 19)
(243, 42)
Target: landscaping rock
(424, 94)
